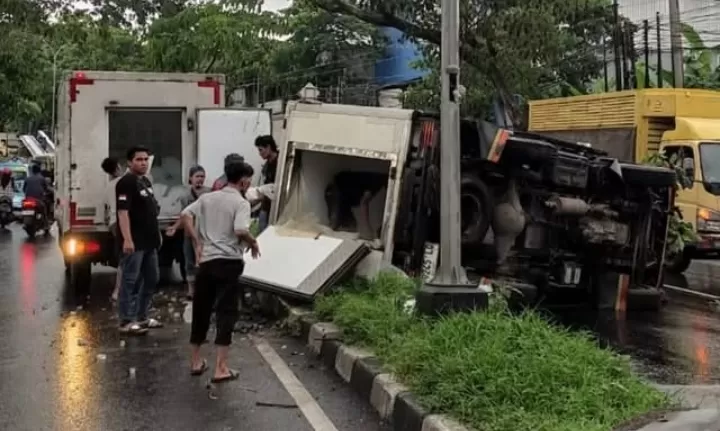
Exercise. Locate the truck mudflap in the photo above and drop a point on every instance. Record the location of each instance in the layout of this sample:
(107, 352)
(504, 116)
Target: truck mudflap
(300, 265)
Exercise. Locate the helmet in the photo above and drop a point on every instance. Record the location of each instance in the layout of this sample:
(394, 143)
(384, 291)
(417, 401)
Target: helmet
(6, 171)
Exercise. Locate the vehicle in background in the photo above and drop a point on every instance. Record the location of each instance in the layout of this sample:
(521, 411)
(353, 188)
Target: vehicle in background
(19, 169)
(179, 117)
(6, 211)
(632, 125)
(544, 215)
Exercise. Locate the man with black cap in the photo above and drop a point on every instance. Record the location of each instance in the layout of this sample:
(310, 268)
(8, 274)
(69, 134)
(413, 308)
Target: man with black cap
(222, 181)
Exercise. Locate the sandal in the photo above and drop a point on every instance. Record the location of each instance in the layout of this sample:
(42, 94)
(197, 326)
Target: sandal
(200, 371)
(232, 376)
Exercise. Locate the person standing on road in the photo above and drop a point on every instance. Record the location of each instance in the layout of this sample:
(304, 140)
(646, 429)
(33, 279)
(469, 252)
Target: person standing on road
(111, 167)
(269, 152)
(223, 233)
(196, 189)
(222, 181)
(137, 212)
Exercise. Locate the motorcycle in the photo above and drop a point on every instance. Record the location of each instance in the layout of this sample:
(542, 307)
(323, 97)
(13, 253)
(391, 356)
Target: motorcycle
(6, 211)
(34, 217)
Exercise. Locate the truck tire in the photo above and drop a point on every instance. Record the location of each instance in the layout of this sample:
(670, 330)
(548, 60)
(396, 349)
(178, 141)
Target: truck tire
(476, 205)
(79, 277)
(678, 263)
(650, 176)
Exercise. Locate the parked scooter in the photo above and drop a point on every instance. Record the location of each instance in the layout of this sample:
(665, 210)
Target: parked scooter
(6, 211)
(34, 217)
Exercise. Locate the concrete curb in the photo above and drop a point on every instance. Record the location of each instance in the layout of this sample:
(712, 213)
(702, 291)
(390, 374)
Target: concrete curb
(364, 373)
(397, 405)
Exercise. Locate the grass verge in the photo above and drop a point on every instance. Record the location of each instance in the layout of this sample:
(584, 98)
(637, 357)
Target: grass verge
(491, 370)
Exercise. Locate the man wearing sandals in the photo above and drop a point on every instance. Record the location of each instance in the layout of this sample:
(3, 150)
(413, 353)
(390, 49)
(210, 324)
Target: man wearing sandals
(222, 220)
(137, 212)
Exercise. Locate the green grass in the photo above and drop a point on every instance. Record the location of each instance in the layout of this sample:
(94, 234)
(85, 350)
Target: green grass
(491, 370)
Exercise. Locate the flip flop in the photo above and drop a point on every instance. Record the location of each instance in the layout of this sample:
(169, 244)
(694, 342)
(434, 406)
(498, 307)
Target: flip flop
(201, 370)
(233, 376)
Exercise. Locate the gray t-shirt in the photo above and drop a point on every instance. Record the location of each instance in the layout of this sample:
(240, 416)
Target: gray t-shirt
(218, 216)
(191, 195)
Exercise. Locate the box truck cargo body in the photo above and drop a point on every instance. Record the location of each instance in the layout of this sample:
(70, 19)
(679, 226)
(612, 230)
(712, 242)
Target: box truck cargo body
(179, 118)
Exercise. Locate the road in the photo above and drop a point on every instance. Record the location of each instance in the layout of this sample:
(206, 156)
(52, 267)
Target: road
(67, 368)
(680, 345)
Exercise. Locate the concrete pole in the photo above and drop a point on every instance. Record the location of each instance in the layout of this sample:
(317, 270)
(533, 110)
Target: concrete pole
(450, 289)
(54, 91)
(676, 44)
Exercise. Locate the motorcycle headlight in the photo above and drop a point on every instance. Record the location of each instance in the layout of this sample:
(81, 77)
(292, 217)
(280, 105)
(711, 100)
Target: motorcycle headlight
(707, 220)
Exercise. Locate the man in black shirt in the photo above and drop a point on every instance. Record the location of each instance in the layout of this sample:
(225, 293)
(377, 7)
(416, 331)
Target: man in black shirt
(137, 211)
(269, 152)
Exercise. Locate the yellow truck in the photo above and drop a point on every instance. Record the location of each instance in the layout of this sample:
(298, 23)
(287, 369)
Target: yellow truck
(631, 125)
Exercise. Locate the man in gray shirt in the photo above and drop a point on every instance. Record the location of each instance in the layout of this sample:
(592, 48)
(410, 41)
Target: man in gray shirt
(219, 225)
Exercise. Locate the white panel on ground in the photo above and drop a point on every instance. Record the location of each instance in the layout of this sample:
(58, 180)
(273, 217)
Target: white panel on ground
(224, 131)
(301, 264)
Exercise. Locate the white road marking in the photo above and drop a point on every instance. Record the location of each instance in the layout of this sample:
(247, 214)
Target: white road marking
(691, 292)
(306, 403)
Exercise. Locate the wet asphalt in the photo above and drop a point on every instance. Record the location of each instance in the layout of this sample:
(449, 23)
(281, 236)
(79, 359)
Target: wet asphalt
(63, 367)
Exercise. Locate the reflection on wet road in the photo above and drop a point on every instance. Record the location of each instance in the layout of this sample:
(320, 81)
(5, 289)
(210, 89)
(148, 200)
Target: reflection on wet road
(64, 368)
(678, 345)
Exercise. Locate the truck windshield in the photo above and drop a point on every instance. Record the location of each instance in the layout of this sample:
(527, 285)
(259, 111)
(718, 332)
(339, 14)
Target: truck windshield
(710, 160)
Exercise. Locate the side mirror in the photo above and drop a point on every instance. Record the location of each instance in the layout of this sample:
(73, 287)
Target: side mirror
(688, 165)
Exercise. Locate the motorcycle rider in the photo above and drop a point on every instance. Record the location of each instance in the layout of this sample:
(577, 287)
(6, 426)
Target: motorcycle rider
(36, 187)
(7, 183)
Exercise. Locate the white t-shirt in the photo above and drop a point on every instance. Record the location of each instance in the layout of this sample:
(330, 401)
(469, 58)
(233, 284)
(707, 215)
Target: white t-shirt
(218, 216)
(110, 209)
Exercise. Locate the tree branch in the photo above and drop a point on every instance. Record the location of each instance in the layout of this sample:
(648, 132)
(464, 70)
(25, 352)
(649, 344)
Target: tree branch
(467, 47)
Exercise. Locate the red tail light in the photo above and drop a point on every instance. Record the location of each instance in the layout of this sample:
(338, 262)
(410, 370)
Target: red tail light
(29, 204)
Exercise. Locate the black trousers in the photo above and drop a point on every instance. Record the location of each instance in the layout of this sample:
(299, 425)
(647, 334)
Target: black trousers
(216, 288)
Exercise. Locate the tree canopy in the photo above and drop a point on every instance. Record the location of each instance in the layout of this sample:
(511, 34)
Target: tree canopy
(531, 48)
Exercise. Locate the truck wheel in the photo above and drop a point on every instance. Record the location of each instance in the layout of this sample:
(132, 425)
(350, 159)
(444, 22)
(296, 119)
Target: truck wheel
(650, 176)
(79, 277)
(476, 209)
(678, 263)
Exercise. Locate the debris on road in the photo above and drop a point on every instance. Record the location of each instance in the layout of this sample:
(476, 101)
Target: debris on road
(132, 372)
(101, 356)
(278, 405)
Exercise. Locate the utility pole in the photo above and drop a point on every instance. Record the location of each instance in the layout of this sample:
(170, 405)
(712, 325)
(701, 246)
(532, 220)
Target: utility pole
(646, 47)
(676, 42)
(616, 46)
(450, 289)
(54, 91)
(659, 51)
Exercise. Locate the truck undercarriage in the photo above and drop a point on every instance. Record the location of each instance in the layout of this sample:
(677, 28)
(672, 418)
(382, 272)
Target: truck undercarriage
(542, 212)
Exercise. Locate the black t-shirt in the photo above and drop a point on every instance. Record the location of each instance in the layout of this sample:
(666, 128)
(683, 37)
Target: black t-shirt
(268, 172)
(135, 195)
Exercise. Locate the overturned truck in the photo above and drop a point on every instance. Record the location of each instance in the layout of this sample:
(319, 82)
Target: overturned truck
(544, 215)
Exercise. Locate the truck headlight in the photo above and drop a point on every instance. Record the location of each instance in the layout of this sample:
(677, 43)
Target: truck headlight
(707, 220)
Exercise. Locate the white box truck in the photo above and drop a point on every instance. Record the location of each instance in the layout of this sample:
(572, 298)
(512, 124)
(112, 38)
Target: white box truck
(180, 117)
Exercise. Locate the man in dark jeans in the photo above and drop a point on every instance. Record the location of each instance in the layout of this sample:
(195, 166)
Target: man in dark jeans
(222, 219)
(137, 211)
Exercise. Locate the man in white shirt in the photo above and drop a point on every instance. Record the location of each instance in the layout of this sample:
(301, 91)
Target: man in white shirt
(111, 167)
(222, 219)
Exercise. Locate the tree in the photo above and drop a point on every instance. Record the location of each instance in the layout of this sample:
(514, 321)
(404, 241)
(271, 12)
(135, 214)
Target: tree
(513, 46)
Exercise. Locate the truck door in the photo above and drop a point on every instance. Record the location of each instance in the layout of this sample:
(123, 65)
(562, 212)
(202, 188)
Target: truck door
(230, 130)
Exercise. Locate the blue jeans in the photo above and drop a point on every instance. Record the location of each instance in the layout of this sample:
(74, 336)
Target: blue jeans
(189, 253)
(140, 275)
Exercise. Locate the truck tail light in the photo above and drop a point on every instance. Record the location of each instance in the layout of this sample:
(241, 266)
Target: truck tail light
(77, 247)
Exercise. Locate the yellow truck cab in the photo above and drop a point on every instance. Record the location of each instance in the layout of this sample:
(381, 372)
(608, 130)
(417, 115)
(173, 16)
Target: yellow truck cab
(631, 125)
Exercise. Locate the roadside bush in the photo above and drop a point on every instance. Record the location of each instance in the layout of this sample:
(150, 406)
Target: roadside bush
(492, 370)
